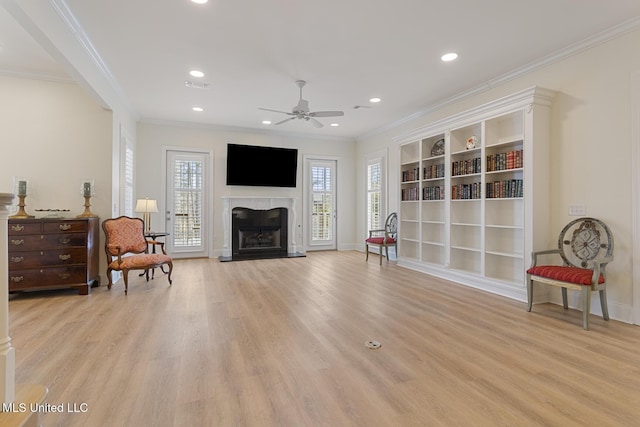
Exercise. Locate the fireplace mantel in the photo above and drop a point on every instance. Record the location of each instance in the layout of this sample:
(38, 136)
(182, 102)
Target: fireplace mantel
(258, 203)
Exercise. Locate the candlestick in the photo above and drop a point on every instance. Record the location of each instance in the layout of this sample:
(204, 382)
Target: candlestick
(21, 212)
(87, 212)
(86, 189)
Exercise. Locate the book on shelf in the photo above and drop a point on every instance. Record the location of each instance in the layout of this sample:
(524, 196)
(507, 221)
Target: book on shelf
(505, 189)
(412, 174)
(435, 192)
(410, 194)
(466, 191)
(433, 171)
(504, 161)
(466, 167)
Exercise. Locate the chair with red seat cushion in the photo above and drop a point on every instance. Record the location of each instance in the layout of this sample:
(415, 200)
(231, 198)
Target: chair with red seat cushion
(586, 247)
(385, 237)
(128, 249)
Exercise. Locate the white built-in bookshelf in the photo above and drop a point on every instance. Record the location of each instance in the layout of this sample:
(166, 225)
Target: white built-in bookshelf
(474, 191)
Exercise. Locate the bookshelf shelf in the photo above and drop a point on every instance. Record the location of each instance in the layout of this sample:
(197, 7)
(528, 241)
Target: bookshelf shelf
(481, 176)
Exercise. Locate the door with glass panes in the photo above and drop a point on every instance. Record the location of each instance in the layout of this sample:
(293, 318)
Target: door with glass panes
(321, 204)
(187, 204)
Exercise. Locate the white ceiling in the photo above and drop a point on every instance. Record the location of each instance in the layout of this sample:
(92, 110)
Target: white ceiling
(253, 51)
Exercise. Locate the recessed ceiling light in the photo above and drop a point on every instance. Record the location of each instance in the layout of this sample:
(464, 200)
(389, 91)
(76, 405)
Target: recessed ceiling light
(374, 100)
(200, 1)
(335, 124)
(196, 73)
(266, 122)
(449, 56)
(198, 109)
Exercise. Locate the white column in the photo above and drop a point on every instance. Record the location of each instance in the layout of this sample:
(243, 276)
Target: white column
(7, 352)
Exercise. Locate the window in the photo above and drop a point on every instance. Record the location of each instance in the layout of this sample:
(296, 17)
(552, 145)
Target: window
(322, 203)
(187, 202)
(376, 190)
(127, 176)
(374, 195)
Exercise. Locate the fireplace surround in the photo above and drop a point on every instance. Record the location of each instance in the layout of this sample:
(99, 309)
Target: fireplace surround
(269, 240)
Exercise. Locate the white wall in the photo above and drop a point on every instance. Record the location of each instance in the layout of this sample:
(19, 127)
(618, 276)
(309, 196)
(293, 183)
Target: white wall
(590, 153)
(55, 135)
(153, 137)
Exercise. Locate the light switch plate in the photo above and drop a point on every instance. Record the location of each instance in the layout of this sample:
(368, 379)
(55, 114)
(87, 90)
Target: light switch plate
(577, 210)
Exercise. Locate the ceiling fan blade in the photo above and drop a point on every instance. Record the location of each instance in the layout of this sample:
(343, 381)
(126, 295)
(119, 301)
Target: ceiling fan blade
(275, 111)
(315, 122)
(326, 114)
(285, 120)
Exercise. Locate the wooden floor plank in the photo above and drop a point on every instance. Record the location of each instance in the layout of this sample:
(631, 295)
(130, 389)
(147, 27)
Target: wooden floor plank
(281, 343)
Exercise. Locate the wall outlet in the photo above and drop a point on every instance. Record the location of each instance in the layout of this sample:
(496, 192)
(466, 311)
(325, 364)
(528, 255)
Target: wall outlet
(577, 210)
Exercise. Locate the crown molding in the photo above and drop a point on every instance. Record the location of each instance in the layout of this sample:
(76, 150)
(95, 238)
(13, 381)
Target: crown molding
(556, 56)
(73, 25)
(57, 78)
(238, 129)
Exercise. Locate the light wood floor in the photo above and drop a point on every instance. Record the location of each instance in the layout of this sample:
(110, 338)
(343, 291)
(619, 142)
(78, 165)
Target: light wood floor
(281, 343)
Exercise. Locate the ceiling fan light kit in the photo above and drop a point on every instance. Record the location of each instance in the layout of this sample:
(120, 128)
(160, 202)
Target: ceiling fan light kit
(301, 111)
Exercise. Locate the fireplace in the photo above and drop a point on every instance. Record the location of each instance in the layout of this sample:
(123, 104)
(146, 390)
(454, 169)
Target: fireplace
(259, 233)
(289, 222)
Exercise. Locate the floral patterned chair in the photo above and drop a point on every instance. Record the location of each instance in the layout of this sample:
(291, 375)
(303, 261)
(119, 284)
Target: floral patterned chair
(128, 249)
(385, 237)
(586, 247)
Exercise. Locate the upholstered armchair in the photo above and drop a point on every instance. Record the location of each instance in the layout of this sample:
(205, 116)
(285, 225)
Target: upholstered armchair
(586, 247)
(128, 249)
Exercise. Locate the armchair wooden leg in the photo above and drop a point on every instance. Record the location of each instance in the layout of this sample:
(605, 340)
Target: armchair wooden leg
(125, 274)
(603, 304)
(565, 303)
(380, 249)
(366, 248)
(586, 306)
(170, 271)
(109, 278)
(529, 292)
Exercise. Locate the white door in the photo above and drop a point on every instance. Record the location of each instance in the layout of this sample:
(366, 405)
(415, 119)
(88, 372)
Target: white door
(321, 205)
(186, 204)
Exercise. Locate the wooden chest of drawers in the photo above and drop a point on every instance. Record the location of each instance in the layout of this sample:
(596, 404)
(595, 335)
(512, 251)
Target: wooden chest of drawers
(53, 253)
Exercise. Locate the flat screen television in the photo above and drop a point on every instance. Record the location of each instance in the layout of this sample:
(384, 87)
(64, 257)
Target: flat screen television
(261, 166)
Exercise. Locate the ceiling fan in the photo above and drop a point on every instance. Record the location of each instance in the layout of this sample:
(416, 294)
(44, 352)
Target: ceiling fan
(301, 111)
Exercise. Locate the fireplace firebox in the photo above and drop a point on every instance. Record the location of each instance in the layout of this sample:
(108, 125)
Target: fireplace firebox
(259, 233)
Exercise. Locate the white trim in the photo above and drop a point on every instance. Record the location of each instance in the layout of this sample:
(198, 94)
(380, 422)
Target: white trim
(238, 129)
(557, 56)
(635, 198)
(262, 203)
(383, 155)
(210, 186)
(306, 215)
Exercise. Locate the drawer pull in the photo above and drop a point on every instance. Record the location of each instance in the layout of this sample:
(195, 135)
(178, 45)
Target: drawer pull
(64, 257)
(17, 242)
(64, 275)
(65, 227)
(17, 279)
(64, 240)
(17, 227)
(17, 258)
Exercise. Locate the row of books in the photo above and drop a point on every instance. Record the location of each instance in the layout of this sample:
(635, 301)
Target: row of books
(433, 193)
(504, 161)
(466, 191)
(508, 188)
(411, 175)
(505, 189)
(434, 171)
(412, 193)
(466, 167)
